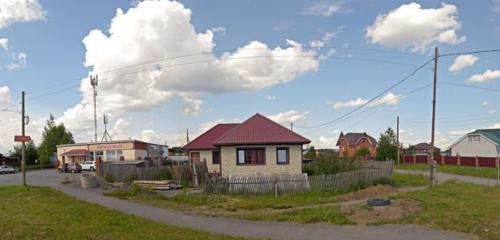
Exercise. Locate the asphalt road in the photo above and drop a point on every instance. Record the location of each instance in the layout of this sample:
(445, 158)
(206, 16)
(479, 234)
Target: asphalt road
(235, 227)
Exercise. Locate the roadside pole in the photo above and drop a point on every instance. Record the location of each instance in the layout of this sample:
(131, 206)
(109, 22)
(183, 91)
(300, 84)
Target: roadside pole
(433, 161)
(397, 138)
(23, 151)
(498, 164)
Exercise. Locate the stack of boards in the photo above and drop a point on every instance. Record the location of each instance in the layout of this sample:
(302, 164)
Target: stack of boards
(158, 185)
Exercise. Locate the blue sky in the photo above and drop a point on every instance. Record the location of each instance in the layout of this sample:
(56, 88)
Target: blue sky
(372, 50)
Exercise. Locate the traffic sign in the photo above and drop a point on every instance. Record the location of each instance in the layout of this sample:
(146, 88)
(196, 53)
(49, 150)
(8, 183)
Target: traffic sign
(22, 138)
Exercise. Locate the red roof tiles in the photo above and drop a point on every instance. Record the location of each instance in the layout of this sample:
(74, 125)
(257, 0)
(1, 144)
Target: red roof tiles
(260, 130)
(205, 141)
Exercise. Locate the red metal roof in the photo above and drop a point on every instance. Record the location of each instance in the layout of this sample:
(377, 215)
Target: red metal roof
(205, 141)
(76, 152)
(260, 130)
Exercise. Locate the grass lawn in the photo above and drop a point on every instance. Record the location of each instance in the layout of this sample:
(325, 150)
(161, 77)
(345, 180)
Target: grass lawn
(484, 172)
(307, 207)
(43, 213)
(461, 207)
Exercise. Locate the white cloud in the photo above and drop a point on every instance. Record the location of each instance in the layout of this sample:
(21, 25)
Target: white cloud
(4, 44)
(19, 61)
(491, 111)
(461, 62)
(324, 9)
(13, 11)
(120, 129)
(327, 36)
(270, 97)
(459, 132)
(411, 26)
(388, 99)
(285, 118)
(162, 29)
(485, 103)
(497, 125)
(219, 29)
(5, 97)
(486, 76)
(326, 142)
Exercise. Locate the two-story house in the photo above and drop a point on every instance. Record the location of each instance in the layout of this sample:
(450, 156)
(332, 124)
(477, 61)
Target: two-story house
(350, 143)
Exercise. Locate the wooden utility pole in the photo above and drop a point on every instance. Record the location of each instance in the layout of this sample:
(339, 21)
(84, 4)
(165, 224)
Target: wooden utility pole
(291, 126)
(397, 138)
(187, 136)
(433, 161)
(23, 144)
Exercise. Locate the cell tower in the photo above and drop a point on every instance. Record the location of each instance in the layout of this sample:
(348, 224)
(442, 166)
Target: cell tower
(106, 137)
(93, 81)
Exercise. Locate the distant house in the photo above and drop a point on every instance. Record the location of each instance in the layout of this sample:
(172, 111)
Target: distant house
(257, 146)
(352, 142)
(481, 142)
(421, 149)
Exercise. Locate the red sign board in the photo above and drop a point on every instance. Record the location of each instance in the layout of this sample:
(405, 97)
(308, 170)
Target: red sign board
(22, 138)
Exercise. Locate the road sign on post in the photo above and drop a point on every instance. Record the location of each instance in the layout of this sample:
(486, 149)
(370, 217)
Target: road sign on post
(22, 138)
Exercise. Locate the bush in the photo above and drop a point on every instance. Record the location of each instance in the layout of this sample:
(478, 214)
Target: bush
(326, 165)
(109, 178)
(130, 179)
(163, 175)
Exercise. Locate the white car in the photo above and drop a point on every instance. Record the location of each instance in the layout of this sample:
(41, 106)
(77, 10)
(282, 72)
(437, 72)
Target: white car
(4, 169)
(88, 166)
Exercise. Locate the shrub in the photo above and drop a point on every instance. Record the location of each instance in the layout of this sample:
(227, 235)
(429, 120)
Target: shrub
(109, 178)
(130, 179)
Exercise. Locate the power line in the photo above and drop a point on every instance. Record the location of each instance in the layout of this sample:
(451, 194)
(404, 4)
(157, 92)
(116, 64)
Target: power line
(471, 86)
(372, 99)
(470, 52)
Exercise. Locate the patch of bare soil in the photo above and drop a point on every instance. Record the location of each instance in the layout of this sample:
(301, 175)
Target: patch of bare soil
(364, 214)
(369, 192)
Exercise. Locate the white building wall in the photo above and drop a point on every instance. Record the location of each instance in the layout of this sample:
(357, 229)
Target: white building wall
(483, 148)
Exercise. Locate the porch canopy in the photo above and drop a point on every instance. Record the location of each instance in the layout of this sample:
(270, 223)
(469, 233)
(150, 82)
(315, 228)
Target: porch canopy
(76, 152)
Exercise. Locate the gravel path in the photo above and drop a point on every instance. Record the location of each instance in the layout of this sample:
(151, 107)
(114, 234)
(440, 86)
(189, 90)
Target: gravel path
(235, 227)
(443, 177)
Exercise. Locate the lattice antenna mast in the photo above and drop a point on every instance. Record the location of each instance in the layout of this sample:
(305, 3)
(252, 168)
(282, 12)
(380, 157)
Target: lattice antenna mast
(106, 137)
(93, 82)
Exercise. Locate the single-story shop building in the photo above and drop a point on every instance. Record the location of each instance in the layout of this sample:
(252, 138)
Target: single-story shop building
(257, 146)
(125, 150)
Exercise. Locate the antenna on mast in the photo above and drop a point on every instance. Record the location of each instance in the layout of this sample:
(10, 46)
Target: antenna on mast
(106, 137)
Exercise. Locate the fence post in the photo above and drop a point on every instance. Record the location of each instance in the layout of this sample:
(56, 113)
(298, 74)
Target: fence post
(414, 159)
(458, 160)
(477, 161)
(276, 187)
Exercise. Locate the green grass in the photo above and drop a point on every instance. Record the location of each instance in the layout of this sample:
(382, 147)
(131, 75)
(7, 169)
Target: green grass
(458, 206)
(43, 213)
(484, 172)
(409, 180)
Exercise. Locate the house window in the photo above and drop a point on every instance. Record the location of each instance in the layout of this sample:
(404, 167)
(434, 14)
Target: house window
(195, 156)
(282, 156)
(474, 138)
(251, 156)
(215, 157)
(114, 155)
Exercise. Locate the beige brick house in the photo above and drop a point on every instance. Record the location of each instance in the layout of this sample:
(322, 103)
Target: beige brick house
(258, 146)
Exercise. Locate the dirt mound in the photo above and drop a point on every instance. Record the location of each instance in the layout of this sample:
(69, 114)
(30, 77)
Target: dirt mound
(372, 191)
(364, 214)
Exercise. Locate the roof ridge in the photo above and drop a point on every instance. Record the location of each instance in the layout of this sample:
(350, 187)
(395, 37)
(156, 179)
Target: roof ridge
(232, 129)
(208, 131)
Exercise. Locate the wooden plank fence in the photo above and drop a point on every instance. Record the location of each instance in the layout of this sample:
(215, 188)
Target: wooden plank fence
(368, 172)
(128, 172)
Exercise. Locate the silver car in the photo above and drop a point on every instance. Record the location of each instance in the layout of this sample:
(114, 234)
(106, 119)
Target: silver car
(5, 169)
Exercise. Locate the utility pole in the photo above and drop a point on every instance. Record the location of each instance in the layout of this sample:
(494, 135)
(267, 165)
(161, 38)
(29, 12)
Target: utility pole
(291, 126)
(23, 144)
(433, 161)
(93, 82)
(187, 135)
(397, 137)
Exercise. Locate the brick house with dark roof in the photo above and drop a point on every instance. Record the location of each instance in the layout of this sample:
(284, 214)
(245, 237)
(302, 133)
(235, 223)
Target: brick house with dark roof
(257, 146)
(352, 142)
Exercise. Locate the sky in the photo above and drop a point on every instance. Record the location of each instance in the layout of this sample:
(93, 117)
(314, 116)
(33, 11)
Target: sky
(167, 66)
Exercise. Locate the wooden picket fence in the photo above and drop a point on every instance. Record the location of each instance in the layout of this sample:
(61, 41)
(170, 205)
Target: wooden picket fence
(368, 172)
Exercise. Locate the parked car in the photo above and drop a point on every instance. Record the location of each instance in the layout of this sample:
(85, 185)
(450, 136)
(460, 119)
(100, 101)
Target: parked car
(88, 166)
(5, 169)
(73, 168)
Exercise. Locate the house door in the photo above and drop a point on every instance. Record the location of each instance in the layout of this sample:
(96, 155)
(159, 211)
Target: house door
(195, 157)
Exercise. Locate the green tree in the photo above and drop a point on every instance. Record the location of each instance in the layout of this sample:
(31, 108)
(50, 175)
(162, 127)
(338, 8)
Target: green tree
(387, 146)
(31, 152)
(311, 153)
(362, 152)
(53, 134)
